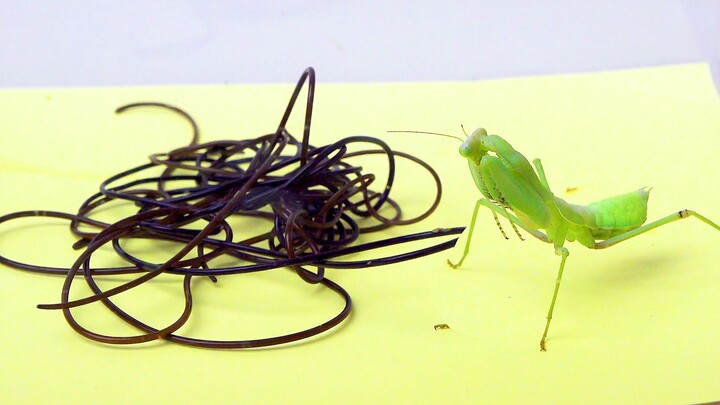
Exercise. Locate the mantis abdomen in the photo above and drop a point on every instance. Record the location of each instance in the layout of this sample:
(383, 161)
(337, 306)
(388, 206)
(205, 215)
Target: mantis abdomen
(620, 214)
(603, 219)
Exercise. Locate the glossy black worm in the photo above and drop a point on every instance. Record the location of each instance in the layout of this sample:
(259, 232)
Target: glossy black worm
(309, 205)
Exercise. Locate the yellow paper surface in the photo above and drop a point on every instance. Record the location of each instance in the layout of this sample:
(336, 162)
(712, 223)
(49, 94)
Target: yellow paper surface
(637, 323)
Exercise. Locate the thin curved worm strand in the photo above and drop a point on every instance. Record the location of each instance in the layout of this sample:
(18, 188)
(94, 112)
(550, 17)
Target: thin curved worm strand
(304, 203)
(508, 182)
(195, 133)
(196, 130)
(309, 76)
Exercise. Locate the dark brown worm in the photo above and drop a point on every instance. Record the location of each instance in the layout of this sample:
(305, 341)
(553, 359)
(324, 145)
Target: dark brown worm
(307, 204)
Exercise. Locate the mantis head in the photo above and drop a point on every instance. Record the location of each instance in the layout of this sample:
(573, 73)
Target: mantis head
(474, 147)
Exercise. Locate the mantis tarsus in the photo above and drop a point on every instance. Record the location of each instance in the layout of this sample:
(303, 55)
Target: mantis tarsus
(508, 182)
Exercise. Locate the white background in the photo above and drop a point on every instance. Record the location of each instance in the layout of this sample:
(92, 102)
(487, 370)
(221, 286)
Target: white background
(98, 43)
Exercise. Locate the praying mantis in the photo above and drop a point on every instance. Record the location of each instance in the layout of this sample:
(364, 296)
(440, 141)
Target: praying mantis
(513, 190)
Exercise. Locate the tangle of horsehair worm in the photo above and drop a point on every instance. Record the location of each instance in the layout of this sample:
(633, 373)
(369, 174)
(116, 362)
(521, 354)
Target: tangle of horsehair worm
(314, 197)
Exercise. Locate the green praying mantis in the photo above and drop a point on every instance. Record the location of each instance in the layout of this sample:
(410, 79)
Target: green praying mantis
(508, 184)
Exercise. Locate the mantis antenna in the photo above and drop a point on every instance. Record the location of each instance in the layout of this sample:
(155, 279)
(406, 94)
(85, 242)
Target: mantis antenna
(463, 129)
(429, 133)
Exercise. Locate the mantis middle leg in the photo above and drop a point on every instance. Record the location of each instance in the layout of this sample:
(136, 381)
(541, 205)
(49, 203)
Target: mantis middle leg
(564, 253)
(470, 235)
(496, 210)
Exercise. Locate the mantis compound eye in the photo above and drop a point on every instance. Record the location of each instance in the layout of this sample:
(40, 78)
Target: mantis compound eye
(474, 147)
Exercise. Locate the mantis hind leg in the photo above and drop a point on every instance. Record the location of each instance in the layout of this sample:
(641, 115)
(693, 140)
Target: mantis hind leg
(564, 253)
(663, 221)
